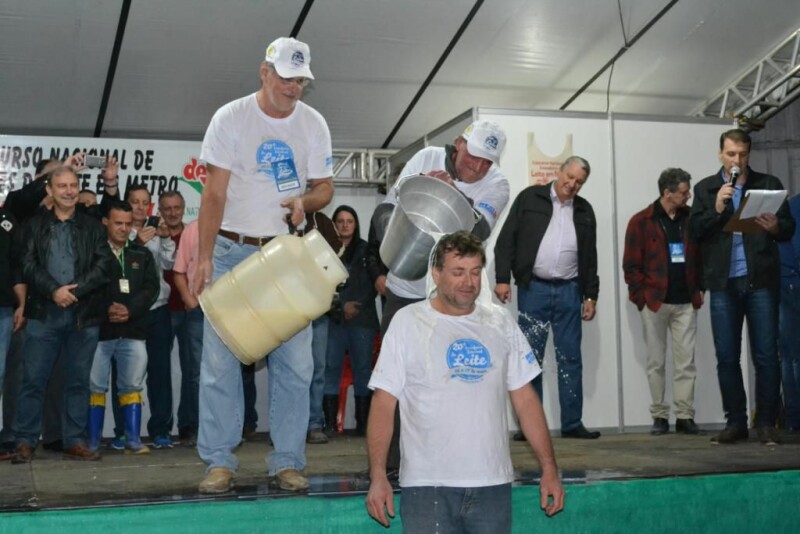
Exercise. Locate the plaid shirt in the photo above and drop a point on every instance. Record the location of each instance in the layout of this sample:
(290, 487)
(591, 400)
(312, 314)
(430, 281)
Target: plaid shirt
(646, 263)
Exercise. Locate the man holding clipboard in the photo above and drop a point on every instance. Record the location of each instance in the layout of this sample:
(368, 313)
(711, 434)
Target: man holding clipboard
(741, 269)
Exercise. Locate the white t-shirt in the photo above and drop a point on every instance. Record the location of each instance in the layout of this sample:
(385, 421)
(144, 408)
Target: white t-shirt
(270, 159)
(451, 376)
(489, 196)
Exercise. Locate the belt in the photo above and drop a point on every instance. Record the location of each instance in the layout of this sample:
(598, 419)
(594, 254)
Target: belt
(555, 281)
(245, 239)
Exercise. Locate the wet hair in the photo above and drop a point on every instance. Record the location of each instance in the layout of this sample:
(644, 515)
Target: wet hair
(671, 178)
(137, 187)
(582, 163)
(462, 244)
(347, 256)
(170, 194)
(737, 135)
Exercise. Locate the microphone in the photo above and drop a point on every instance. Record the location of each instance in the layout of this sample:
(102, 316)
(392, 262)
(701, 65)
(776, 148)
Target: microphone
(735, 172)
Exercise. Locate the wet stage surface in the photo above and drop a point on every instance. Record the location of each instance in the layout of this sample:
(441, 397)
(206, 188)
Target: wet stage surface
(339, 469)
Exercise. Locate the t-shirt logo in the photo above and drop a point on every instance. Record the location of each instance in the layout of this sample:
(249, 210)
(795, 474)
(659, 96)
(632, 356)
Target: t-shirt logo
(6, 225)
(276, 161)
(469, 360)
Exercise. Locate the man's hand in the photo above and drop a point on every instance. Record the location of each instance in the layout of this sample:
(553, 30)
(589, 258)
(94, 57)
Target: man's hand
(203, 276)
(725, 194)
(75, 162)
(351, 309)
(111, 170)
(441, 175)
(380, 285)
(503, 292)
(297, 212)
(146, 234)
(162, 230)
(118, 313)
(380, 500)
(769, 222)
(588, 310)
(63, 296)
(19, 319)
(551, 493)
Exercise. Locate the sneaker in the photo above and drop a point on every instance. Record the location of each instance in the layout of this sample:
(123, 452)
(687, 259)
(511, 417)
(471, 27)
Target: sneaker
(731, 434)
(162, 442)
(316, 436)
(118, 443)
(768, 435)
(218, 480)
(660, 426)
(290, 480)
(580, 433)
(686, 426)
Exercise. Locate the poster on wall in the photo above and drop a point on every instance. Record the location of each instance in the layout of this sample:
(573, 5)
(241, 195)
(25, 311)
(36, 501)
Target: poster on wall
(159, 165)
(542, 167)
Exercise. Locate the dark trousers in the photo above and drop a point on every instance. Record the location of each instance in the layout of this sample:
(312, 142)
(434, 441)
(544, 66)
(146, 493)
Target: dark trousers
(159, 371)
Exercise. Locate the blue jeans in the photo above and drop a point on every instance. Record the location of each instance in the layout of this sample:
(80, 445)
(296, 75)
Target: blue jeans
(187, 326)
(159, 371)
(319, 347)
(43, 343)
(6, 327)
(357, 340)
(131, 358)
(557, 305)
(221, 400)
(790, 350)
(483, 510)
(729, 307)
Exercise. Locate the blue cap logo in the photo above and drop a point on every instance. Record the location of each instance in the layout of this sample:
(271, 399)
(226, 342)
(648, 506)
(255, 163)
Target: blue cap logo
(491, 143)
(298, 59)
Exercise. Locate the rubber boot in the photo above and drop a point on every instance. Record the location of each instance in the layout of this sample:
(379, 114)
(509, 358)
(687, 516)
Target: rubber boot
(131, 405)
(362, 414)
(97, 414)
(330, 409)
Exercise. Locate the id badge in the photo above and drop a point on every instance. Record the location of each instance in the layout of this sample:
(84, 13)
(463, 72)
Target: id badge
(285, 175)
(124, 286)
(676, 253)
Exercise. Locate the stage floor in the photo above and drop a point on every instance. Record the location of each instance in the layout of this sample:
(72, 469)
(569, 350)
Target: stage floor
(339, 468)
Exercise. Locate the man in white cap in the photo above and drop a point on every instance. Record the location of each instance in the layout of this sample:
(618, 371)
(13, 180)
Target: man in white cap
(262, 151)
(470, 165)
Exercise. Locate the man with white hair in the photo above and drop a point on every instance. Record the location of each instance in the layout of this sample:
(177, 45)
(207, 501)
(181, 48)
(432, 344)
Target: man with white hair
(261, 151)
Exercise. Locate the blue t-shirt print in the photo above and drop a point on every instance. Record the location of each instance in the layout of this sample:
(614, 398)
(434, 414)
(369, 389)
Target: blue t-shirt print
(276, 160)
(468, 360)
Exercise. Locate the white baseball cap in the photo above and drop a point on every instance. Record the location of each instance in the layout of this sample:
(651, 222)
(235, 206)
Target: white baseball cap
(485, 140)
(290, 57)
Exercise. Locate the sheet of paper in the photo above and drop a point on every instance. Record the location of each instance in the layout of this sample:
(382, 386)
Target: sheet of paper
(762, 201)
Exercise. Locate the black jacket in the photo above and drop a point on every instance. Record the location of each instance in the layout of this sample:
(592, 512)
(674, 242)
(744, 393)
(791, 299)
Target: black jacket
(9, 258)
(522, 233)
(358, 287)
(143, 284)
(93, 259)
(760, 248)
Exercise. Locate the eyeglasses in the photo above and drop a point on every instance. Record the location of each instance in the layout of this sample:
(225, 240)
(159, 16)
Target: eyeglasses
(300, 81)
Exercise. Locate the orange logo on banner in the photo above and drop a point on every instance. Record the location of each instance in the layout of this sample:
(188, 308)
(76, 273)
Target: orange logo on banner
(541, 167)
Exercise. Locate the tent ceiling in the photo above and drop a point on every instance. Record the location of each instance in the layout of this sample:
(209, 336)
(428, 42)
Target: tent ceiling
(181, 59)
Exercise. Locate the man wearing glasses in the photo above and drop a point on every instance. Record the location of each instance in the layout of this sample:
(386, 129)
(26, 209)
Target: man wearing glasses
(261, 152)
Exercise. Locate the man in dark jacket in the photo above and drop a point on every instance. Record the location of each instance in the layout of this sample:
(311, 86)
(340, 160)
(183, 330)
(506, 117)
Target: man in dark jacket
(660, 264)
(742, 272)
(134, 287)
(549, 243)
(66, 263)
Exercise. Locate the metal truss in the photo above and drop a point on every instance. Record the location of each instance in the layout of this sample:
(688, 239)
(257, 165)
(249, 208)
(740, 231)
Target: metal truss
(762, 91)
(362, 167)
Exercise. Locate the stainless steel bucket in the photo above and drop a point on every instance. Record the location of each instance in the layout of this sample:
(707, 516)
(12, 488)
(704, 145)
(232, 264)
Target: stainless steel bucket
(426, 207)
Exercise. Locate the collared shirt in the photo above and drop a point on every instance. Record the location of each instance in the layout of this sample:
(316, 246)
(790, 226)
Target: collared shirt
(61, 254)
(738, 259)
(557, 258)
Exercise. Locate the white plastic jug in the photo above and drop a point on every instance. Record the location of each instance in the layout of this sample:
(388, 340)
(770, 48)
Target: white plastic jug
(273, 294)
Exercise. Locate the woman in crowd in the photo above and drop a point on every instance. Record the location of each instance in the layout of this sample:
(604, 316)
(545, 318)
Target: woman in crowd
(353, 324)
